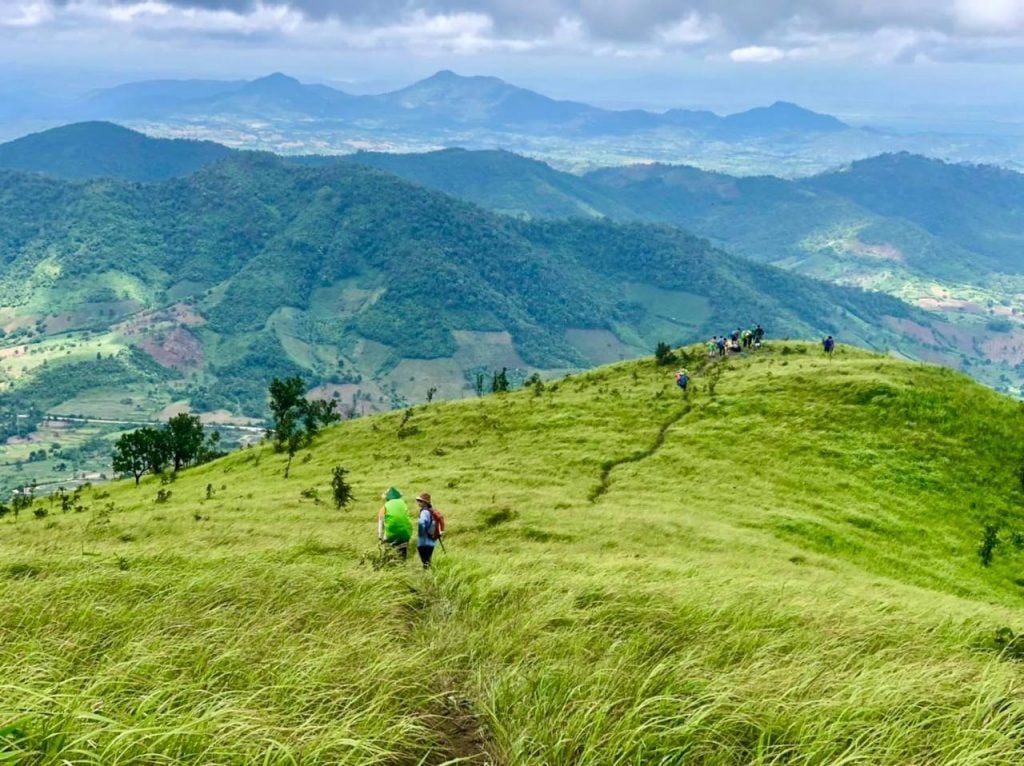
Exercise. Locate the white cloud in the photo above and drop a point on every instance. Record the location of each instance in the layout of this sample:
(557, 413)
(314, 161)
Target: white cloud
(20, 14)
(992, 16)
(757, 54)
(689, 30)
(736, 30)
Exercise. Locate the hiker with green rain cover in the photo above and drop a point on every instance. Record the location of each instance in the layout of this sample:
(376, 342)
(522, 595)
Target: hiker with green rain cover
(394, 525)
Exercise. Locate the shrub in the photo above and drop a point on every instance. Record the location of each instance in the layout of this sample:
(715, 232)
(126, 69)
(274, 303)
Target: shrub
(989, 541)
(664, 355)
(341, 490)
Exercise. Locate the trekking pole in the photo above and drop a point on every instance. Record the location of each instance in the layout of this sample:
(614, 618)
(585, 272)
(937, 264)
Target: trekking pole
(440, 540)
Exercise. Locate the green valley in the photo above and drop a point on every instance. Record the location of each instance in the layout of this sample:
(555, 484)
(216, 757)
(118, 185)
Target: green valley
(781, 568)
(143, 300)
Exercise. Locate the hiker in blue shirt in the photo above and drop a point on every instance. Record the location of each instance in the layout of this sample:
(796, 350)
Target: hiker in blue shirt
(427, 533)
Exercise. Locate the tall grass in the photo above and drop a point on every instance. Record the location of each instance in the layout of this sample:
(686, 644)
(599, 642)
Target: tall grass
(784, 574)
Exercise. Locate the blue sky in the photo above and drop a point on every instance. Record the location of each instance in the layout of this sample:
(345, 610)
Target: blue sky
(872, 56)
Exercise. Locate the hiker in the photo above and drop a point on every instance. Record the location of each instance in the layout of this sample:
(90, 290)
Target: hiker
(394, 527)
(748, 338)
(713, 345)
(721, 346)
(682, 379)
(758, 335)
(429, 529)
(829, 345)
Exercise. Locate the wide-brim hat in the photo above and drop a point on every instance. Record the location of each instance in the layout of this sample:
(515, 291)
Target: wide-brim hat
(423, 498)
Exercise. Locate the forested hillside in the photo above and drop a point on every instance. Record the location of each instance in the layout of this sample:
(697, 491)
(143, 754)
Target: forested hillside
(254, 267)
(102, 149)
(942, 236)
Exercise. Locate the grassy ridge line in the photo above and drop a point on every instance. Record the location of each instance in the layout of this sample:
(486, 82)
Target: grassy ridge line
(717, 606)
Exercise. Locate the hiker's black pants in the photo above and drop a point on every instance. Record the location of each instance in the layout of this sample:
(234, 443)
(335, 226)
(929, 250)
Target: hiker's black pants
(426, 552)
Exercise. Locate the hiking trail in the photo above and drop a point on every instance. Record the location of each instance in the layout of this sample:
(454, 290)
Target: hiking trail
(604, 480)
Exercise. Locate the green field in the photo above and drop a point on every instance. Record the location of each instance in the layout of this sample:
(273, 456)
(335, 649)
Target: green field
(785, 572)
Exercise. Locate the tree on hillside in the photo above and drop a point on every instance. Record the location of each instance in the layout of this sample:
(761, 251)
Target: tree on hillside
(181, 442)
(499, 381)
(185, 438)
(131, 453)
(664, 355)
(157, 442)
(296, 420)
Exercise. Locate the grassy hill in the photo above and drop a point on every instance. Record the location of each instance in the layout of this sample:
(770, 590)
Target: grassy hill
(784, 572)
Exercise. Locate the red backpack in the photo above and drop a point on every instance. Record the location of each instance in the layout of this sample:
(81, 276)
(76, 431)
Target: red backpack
(436, 524)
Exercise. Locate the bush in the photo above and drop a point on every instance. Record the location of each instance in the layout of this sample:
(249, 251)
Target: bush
(664, 355)
(989, 541)
(340, 488)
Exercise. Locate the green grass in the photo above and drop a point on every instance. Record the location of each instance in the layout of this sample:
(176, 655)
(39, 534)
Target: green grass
(784, 573)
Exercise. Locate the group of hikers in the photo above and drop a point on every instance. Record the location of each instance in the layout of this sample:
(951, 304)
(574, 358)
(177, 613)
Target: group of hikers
(719, 345)
(736, 341)
(394, 526)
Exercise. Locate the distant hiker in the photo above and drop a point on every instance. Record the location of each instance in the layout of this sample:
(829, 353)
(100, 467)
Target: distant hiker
(735, 337)
(713, 345)
(429, 529)
(394, 527)
(829, 345)
(682, 379)
(758, 334)
(748, 338)
(721, 346)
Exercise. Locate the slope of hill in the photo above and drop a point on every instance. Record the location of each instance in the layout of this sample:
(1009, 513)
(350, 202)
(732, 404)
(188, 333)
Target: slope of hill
(102, 149)
(500, 181)
(877, 237)
(783, 573)
(273, 95)
(981, 208)
(150, 97)
(375, 290)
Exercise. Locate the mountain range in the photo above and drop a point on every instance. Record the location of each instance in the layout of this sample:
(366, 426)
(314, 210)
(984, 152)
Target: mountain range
(443, 101)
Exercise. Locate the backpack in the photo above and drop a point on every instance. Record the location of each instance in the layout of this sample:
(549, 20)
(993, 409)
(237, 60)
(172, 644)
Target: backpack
(436, 524)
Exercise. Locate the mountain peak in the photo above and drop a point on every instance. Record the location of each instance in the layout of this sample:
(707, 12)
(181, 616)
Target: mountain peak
(448, 77)
(276, 78)
(783, 116)
(274, 83)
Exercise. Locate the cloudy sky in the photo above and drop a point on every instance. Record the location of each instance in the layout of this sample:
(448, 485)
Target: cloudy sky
(871, 54)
